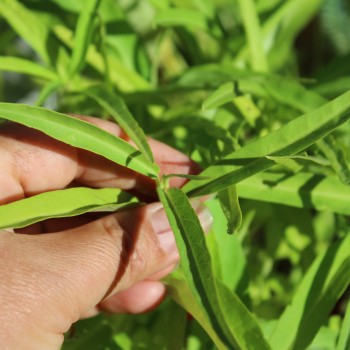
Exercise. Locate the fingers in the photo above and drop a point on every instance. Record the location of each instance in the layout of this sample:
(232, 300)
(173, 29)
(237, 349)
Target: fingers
(32, 162)
(141, 297)
(61, 276)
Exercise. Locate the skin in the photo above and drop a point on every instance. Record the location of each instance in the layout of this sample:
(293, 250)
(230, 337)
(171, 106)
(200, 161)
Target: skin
(56, 272)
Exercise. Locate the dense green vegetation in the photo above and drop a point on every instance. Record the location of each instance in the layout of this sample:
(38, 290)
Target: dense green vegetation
(256, 91)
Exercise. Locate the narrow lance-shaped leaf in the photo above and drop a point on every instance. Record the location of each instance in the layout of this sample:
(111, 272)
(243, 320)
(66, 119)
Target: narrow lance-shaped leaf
(292, 93)
(228, 316)
(289, 139)
(175, 327)
(62, 203)
(336, 155)
(181, 17)
(194, 257)
(30, 28)
(254, 35)
(315, 298)
(180, 291)
(81, 134)
(116, 107)
(47, 90)
(122, 76)
(23, 66)
(230, 206)
(344, 336)
(302, 190)
(83, 35)
(223, 94)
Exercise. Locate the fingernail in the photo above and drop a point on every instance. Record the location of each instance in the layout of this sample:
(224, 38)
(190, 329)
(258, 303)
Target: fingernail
(195, 204)
(162, 227)
(205, 218)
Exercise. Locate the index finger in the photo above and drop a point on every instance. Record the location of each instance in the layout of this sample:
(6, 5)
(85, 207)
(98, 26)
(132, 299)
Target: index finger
(32, 162)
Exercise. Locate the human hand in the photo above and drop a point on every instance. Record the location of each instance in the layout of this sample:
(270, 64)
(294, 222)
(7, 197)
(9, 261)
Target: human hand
(113, 263)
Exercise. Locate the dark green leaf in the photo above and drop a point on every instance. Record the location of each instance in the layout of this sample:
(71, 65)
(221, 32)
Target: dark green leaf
(344, 336)
(223, 308)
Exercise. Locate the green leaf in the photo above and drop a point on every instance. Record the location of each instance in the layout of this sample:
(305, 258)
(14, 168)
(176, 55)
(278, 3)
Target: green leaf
(179, 290)
(47, 90)
(194, 257)
(302, 190)
(83, 36)
(254, 35)
(122, 76)
(228, 316)
(81, 134)
(175, 327)
(62, 203)
(230, 259)
(230, 206)
(29, 27)
(344, 336)
(288, 140)
(116, 107)
(23, 66)
(336, 155)
(181, 17)
(90, 334)
(278, 39)
(223, 94)
(247, 108)
(287, 162)
(315, 298)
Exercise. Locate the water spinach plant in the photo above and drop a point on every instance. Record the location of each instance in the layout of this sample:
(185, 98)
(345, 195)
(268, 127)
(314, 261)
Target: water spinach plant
(212, 78)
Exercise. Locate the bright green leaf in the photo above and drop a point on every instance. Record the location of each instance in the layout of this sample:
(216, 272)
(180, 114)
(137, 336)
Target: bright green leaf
(81, 134)
(288, 140)
(23, 66)
(254, 35)
(47, 90)
(83, 36)
(27, 25)
(230, 206)
(336, 155)
(179, 289)
(181, 17)
(344, 336)
(62, 203)
(116, 107)
(302, 190)
(223, 94)
(315, 298)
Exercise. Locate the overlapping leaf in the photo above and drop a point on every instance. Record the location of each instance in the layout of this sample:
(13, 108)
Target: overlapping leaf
(62, 203)
(315, 298)
(78, 133)
(116, 107)
(289, 139)
(228, 316)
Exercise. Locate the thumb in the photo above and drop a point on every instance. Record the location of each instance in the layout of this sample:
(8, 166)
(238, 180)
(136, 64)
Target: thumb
(53, 279)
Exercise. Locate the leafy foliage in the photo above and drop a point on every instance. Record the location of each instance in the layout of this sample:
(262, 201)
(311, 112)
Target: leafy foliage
(257, 93)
